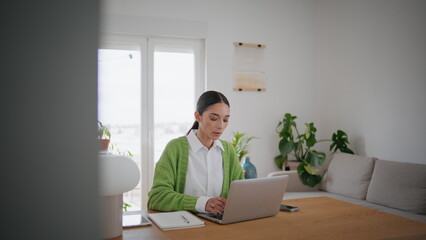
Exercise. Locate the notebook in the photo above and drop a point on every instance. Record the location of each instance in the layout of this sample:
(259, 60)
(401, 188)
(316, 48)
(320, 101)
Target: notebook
(251, 199)
(175, 220)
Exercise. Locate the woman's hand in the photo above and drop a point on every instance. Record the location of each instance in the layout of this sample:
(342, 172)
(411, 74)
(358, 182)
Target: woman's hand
(216, 205)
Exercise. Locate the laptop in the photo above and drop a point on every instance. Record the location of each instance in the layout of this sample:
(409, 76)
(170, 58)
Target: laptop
(251, 199)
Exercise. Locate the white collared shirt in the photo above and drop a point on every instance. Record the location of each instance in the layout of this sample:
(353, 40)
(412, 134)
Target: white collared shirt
(204, 177)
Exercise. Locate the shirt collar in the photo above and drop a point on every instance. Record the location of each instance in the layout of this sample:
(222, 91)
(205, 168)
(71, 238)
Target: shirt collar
(195, 143)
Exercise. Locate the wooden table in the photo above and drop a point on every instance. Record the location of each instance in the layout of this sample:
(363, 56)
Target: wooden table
(318, 218)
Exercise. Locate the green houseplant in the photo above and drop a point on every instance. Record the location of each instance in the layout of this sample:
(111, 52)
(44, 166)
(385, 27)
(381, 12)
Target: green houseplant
(114, 148)
(301, 147)
(241, 143)
(104, 135)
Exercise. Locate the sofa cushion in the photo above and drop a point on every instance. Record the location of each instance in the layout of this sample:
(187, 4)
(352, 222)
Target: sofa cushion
(348, 175)
(399, 185)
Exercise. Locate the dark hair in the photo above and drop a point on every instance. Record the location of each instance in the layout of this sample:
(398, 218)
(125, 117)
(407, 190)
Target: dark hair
(205, 101)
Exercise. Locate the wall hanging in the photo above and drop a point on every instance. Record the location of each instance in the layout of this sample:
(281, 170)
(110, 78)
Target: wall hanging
(249, 67)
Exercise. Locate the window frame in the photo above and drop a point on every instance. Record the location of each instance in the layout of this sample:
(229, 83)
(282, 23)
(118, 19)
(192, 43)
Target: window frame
(146, 46)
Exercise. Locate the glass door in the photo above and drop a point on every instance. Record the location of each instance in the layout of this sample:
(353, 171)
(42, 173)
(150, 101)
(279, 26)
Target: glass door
(147, 91)
(176, 80)
(119, 106)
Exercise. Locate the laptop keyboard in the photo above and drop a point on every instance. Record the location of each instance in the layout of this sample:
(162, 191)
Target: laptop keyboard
(217, 216)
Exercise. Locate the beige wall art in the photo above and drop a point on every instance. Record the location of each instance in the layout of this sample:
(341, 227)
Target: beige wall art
(249, 67)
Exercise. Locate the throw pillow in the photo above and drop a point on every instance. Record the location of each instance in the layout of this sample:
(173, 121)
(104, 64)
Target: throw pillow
(348, 175)
(399, 185)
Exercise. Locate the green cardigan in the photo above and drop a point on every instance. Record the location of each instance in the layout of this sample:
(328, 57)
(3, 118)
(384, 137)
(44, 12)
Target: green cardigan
(170, 174)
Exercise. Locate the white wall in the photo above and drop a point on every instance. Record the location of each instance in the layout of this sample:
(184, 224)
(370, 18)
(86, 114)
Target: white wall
(284, 26)
(369, 55)
(371, 75)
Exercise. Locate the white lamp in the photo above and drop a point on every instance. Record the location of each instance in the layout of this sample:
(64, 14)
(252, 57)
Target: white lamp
(118, 174)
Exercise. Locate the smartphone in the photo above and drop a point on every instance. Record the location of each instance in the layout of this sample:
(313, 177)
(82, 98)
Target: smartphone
(287, 208)
(135, 220)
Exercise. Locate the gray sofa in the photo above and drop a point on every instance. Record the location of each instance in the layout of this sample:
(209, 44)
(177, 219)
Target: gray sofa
(394, 187)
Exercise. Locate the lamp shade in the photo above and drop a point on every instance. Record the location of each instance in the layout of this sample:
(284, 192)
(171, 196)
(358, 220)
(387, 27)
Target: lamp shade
(118, 174)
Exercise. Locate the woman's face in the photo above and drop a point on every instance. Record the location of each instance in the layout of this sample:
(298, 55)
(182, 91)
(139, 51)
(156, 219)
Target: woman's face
(213, 121)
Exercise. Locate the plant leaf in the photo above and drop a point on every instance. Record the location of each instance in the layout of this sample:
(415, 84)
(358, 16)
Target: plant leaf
(310, 169)
(308, 131)
(340, 141)
(315, 158)
(310, 135)
(308, 179)
(289, 122)
(347, 150)
(311, 141)
(279, 160)
(332, 146)
(286, 146)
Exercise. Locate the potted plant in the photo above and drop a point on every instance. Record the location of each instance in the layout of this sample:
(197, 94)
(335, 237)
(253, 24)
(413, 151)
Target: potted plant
(241, 143)
(301, 147)
(104, 135)
(125, 206)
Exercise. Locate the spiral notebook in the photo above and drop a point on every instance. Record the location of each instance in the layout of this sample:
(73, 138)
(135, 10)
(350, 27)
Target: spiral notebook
(175, 220)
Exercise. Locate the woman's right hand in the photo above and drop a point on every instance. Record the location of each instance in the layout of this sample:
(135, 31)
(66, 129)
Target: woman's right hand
(216, 205)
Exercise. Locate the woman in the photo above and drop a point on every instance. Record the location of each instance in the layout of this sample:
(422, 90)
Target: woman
(195, 171)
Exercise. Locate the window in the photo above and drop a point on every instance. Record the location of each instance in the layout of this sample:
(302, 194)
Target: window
(119, 95)
(173, 111)
(147, 94)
